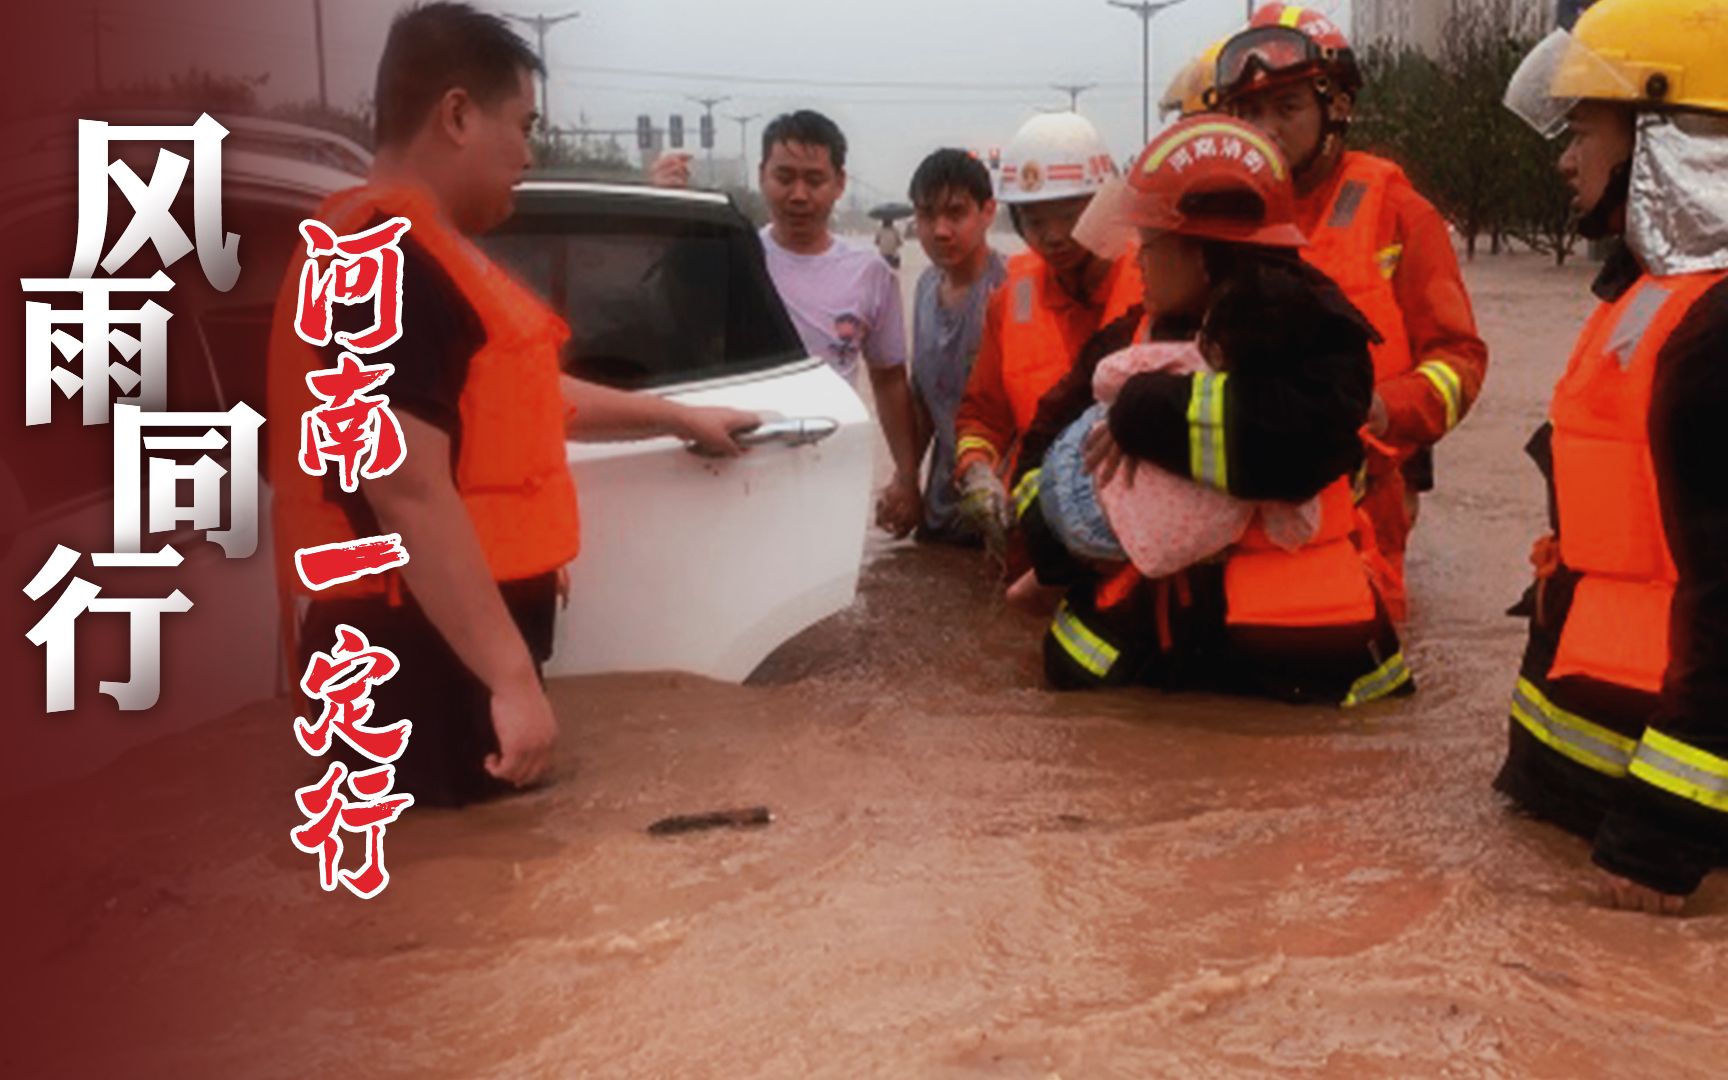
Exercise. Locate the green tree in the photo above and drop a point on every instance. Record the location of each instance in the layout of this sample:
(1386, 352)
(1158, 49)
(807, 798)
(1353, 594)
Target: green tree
(1442, 119)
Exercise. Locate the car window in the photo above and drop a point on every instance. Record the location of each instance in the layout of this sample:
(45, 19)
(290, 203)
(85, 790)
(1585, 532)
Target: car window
(654, 295)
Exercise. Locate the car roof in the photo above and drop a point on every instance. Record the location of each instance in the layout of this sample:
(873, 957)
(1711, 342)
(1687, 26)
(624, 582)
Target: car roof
(277, 138)
(549, 185)
(278, 160)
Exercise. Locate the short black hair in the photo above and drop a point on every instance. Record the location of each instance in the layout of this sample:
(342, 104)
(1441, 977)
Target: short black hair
(1268, 306)
(809, 127)
(433, 47)
(948, 170)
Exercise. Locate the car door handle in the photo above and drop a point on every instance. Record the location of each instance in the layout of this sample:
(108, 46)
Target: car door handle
(801, 431)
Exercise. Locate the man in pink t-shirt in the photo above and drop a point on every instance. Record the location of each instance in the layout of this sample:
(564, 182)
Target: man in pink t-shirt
(843, 299)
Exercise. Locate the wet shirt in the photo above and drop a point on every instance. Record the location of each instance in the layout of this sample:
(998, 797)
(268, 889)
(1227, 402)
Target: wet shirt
(844, 302)
(441, 333)
(944, 347)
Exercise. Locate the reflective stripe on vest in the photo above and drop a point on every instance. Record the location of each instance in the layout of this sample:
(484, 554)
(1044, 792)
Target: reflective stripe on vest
(1589, 744)
(1025, 491)
(1605, 491)
(1206, 455)
(1383, 680)
(510, 469)
(1077, 640)
(1345, 244)
(1682, 770)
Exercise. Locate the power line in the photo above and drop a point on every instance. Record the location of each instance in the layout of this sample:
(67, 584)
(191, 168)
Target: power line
(1006, 99)
(848, 84)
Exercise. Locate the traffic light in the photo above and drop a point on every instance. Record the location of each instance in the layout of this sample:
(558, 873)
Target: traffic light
(675, 131)
(644, 132)
(707, 131)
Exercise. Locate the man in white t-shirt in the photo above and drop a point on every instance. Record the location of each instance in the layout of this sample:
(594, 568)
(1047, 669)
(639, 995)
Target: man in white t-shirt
(844, 299)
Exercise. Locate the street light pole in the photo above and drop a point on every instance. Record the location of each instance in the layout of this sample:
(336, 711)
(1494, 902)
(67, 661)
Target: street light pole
(743, 123)
(1073, 90)
(541, 24)
(708, 104)
(1145, 9)
(318, 41)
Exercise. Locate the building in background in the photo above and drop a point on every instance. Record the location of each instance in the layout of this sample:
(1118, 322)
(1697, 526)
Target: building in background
(1421, 24)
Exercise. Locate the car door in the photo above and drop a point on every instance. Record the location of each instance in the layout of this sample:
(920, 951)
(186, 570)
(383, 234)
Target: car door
(690, 563)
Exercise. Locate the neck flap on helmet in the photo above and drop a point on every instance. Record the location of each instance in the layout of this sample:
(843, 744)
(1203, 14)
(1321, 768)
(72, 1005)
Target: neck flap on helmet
(1677, 209)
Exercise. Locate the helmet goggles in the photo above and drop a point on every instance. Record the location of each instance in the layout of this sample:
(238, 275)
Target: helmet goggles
(1266, 55)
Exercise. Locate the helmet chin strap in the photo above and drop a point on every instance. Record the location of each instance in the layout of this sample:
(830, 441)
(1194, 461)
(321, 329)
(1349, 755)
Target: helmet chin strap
(1078, 275)
(1332, 131)
(1597, 223)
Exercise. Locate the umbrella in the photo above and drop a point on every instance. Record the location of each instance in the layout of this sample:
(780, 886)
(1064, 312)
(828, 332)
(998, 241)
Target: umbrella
(892, 211)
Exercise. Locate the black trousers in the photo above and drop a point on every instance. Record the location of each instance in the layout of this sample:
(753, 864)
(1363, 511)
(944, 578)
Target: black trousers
(450, 707)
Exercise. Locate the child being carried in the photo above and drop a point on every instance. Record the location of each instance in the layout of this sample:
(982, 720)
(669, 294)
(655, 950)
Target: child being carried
(1160, 521)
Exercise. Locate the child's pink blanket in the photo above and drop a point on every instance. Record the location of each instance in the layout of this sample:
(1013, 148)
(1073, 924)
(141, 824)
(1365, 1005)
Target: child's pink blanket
(1167, 522)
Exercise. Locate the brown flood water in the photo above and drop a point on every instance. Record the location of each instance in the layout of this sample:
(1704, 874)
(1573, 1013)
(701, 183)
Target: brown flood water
(968, 876)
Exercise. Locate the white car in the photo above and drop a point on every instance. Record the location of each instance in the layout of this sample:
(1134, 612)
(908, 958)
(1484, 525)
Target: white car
(688, 563)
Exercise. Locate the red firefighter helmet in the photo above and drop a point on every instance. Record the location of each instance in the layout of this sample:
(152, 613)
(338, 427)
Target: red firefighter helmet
(1213, 177)
(1286, 43)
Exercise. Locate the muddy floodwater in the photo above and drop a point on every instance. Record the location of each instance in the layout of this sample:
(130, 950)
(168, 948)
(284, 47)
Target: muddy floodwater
(965, 875)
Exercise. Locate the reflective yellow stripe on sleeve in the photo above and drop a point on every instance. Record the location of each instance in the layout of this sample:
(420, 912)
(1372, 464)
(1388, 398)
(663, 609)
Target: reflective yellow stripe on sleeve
(1087, 649)
(1682, 770)
(1388, 258)
(1025, 491)
(1449, 386)
(1206, 459)
(974, 442)
(1570, 735)
(1383, 680)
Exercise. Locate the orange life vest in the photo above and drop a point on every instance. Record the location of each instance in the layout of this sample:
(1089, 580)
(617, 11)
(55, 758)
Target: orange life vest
(510, 468)
(1611, 533)
(1037, 348)
(1343, 245)
(1322, 583)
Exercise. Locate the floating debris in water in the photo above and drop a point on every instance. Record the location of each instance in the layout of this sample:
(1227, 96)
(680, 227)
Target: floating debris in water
(747, 817)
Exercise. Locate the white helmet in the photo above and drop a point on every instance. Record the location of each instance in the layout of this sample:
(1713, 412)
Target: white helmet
(1054, 156)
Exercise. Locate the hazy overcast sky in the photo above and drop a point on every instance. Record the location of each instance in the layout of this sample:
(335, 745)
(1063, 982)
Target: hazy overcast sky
(900, 76)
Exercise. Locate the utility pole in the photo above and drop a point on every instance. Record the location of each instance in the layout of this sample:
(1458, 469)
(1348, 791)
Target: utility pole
(743, 123)
(1073, 90)
(1145, 9)
(318, 42)
(541, 24)
(708, 104)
